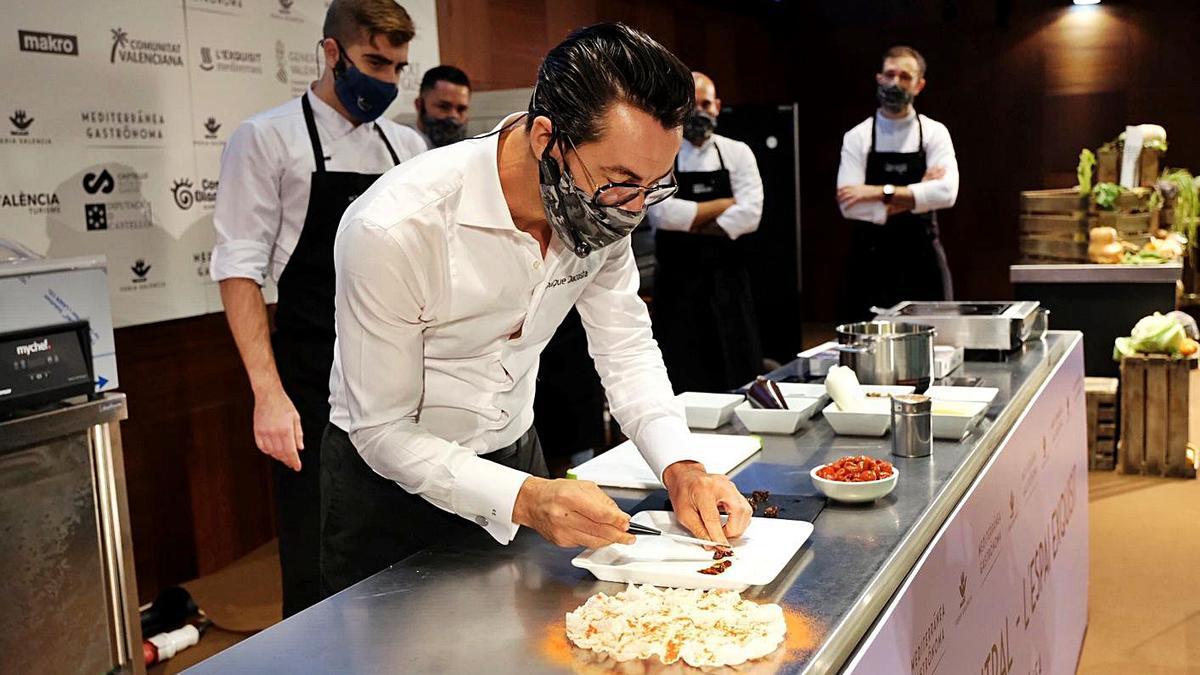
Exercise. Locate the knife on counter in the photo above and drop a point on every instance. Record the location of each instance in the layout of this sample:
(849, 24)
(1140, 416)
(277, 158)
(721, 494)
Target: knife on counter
(635, 528)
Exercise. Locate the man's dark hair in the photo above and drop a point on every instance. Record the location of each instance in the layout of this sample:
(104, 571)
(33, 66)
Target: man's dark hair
(604, 64)
(349, 21)
(900, 51)
(443, 74)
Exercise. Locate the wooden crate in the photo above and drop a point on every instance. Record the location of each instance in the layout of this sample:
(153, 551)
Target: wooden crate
(1108, 166)
(1154, 416)
(1055, 223)
(1101, 421)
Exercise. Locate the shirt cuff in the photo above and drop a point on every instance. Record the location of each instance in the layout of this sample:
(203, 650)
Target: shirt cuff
(919, 196)
(240, 259)
(664, 441)
(674, 214)
(485, 492)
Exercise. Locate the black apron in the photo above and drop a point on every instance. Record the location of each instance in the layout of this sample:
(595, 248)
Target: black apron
(902, 259)
(703, 312)
(303, 344)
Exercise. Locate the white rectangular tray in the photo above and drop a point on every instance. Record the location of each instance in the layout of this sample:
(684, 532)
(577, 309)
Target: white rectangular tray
(972, 394)
(760, 554)
(624, 467)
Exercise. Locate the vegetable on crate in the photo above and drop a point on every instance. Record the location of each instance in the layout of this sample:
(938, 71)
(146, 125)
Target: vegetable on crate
(1087, 162)
(1155, 334)
(1176, 189)
(1106, 195)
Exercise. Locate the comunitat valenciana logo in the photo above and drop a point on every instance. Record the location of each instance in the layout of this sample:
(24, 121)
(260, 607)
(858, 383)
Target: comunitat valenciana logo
(34, 347)
(127, 50)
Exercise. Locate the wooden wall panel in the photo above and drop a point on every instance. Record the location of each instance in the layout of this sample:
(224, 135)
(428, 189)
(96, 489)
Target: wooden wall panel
(199, 490)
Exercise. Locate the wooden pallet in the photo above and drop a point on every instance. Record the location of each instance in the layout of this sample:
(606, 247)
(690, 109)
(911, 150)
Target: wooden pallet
(1102, 421)
(1154, 416)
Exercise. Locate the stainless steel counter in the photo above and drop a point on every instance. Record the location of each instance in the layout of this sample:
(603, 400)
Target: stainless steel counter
(1095, 274)
(483, 608)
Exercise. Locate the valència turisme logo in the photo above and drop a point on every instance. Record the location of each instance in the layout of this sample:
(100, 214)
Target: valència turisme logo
(128, 51)
(186, 194)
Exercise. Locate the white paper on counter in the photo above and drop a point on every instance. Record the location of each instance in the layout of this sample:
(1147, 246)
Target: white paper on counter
(624, 467)
(1130, 156)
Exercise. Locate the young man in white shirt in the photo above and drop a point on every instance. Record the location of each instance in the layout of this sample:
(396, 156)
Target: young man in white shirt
(898, 169)
(287, 175)
(703, 310)
(452, 274)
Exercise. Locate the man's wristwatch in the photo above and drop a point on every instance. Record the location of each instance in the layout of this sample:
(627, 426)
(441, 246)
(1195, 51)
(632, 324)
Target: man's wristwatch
(889, 191)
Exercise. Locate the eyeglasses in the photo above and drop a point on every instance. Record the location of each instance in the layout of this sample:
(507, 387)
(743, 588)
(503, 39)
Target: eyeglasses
(622, 193)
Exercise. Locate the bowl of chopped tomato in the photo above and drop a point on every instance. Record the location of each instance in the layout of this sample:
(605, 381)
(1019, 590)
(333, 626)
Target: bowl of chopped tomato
(855, 479)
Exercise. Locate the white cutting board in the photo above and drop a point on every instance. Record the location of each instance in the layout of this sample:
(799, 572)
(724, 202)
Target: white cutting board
(624, 467)
(759, 555)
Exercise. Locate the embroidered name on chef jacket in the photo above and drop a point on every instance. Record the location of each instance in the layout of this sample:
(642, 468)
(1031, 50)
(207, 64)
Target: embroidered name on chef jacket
(568, 280)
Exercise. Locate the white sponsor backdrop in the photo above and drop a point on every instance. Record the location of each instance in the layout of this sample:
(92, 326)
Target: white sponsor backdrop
(114, 117)
(1003, 588)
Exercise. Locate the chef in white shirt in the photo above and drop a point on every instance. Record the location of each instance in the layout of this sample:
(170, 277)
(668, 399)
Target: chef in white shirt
(287, 175)
(454, 270)
(703, 310)
(898, 169)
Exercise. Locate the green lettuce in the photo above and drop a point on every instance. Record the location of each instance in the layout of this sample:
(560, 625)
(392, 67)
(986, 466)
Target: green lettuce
(1155, 334)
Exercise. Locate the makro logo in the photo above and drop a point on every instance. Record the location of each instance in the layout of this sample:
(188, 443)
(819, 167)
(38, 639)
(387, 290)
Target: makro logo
(186, 194)
(48, 43)
(34, 347)
(151, 52)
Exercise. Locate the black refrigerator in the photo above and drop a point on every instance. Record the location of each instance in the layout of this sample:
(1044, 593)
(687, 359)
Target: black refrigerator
(772, 132)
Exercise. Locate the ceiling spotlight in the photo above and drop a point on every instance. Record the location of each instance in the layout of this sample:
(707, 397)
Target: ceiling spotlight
(1085, 2)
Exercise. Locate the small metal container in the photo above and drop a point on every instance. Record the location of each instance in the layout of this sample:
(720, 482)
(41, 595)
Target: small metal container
(912, 425)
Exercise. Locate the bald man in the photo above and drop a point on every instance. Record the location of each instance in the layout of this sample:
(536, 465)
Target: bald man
(703, 314)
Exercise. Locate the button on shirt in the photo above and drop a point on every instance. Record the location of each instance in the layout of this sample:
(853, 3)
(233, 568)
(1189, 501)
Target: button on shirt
(443, 308)
(742, 217)
(266, 174)
(900, 135)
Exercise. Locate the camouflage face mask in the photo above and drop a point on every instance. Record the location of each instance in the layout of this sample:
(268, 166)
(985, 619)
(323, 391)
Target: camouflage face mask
(574, 216)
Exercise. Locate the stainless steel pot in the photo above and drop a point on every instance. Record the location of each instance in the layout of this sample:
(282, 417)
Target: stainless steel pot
(885, 352)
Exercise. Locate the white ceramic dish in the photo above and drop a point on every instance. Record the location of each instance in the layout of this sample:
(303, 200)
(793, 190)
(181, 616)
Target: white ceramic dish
(766, 421)
(759, 555)
(803, 390)
(708, 411)
(854, 493)
(953, 420)
(886, 390)
(972, 394)
(874, 420)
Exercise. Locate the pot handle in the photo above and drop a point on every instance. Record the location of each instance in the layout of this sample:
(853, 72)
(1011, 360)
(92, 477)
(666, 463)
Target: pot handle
(856, 350)
(880, 311)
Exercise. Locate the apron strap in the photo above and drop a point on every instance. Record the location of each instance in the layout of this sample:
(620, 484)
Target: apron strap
(313, 137)
(719, 157)
(873, 118)
(920, 135)
(395, 159)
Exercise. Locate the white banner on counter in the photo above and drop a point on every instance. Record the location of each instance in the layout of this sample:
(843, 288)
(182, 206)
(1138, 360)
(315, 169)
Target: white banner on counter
(114, 118)
(1003, 587)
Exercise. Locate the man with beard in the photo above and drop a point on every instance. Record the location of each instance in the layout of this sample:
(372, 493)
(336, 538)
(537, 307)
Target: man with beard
(443, 106)
(703, 311)
(898, 169)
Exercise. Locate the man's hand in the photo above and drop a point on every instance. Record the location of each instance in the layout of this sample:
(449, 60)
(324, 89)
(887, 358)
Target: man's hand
(850, 195)
(698, 497)
(571, 513)
(934, 173)
(277, 430)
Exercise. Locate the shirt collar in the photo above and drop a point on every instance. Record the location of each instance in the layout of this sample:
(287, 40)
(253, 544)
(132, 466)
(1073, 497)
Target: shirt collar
(482, 203)
(329, 120)
(912, 115)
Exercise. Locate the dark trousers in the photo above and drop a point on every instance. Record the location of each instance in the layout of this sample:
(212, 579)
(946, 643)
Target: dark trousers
(369, 522)
(304, 371)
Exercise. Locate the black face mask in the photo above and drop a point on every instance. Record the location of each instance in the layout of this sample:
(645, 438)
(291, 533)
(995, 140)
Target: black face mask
(893, 98)
(698, 127)
(442, 131)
